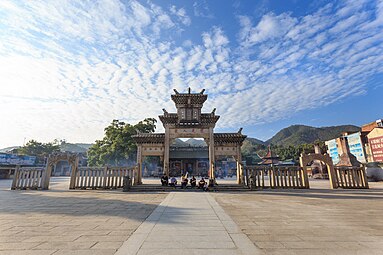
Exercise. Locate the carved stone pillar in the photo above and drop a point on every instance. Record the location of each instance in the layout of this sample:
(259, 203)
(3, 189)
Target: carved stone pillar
(138, 177)
(211, 153)
(73, 174)
(240, 177)
(166, 152)
(47, 176)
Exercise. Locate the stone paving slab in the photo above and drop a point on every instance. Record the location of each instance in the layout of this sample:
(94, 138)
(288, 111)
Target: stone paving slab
(60, 221)
(208, 229)
(316, 221)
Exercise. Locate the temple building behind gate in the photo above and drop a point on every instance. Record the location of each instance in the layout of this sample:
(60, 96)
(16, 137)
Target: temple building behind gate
(190, 122)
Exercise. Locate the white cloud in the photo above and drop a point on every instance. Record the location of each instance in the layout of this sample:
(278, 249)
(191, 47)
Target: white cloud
(181, 14)
(67, 69)
(269, 27)
(201, 9)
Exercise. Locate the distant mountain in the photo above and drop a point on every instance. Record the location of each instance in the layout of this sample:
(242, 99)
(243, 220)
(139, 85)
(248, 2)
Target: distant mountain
(255, 141)
(4, 150)
(195, 142)
(75, 147)
(69, 147)
(300, 134)
(179, 143)
(85, 145)
(293, 135)
(191, 142)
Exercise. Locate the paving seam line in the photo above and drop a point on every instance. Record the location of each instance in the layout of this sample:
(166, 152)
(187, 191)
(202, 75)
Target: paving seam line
(241, 241)
(133, 244)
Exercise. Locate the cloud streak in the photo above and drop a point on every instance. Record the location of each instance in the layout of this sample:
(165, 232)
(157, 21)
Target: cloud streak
(67, 69)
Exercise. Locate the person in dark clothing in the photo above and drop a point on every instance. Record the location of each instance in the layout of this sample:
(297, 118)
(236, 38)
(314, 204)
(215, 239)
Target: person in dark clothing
(184, 182)
(193, 182)
(201, 183)
(164, 180)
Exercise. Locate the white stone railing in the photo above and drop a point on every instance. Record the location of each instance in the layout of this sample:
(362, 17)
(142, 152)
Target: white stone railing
(351, 177)
(100, 177)
(259, 177)
(29, 178)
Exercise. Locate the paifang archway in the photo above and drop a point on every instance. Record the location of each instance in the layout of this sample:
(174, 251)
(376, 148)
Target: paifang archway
(54, 158)
(305, 159)
(189, 122)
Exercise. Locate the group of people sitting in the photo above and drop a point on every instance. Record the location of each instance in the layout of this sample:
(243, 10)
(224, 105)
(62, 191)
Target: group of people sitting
(202, 184)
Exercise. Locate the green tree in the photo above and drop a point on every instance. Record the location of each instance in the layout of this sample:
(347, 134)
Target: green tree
(294, 152)
(118, 147)
(40, 150)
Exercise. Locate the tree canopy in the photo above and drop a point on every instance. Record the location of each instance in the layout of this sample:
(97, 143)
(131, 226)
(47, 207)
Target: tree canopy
(118, 147)
(250, 151)
(40, 150)
(294, 152)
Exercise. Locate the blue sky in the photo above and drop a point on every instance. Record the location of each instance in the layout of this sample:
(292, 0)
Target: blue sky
(67, 68)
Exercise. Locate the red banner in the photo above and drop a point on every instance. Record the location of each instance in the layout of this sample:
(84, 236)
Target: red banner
(376, 145)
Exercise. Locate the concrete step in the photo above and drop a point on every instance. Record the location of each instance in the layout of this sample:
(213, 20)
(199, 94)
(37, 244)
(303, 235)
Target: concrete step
(159, 188)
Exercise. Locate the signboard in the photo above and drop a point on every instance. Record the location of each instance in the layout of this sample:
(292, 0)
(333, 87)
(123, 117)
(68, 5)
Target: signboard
(356, 147)
(11, 159)
(333, 150)
(376, 145)
(189, 132)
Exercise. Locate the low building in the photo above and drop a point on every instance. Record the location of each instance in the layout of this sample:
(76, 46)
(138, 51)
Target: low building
(359, 143)
(375, 141)
(370, 126)
(193, 160)
(270, 158)
(355, 146)
(8, 162)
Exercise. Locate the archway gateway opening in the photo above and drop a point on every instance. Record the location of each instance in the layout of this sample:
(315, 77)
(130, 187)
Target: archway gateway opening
(189, 155)
(189, 122)
(151, 166)
(54, 159)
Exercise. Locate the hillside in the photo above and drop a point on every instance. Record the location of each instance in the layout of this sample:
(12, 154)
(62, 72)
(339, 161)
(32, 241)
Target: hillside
(75, 147)
(195, 142)
(179, 143)
(293, 135)
(8, 149)
(69, 147)
(300, 134)
(255, 141)
(188, 143)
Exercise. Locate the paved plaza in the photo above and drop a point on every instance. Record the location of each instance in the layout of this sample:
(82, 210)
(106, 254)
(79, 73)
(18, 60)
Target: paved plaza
(60, 221)
(316, 221)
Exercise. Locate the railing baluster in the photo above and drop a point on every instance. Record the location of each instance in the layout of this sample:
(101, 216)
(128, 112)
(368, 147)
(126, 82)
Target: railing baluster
(28, 178)
(353, 170)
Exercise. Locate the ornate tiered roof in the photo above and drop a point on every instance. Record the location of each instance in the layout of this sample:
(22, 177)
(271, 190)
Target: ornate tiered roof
(149, 138)
(206, 119)
(270, 158)
(189, 114)
(219, 138)
(169, 118)
(189, 106)
(225, 138)
(196, 99)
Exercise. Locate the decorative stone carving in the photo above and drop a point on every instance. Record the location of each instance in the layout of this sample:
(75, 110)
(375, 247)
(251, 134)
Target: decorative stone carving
(306, 159)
